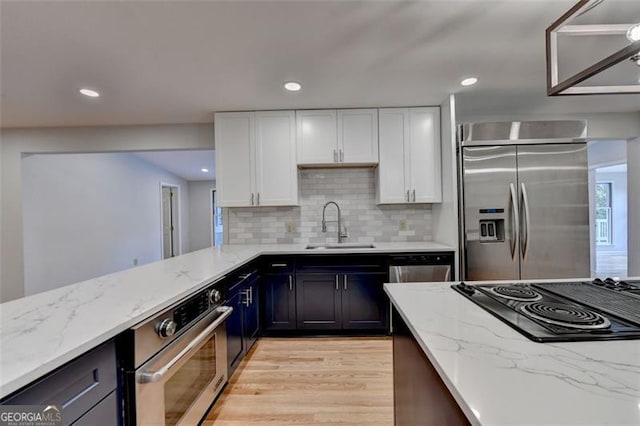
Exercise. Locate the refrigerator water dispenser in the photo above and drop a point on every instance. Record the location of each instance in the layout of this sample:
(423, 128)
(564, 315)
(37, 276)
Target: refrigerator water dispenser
(492, 230)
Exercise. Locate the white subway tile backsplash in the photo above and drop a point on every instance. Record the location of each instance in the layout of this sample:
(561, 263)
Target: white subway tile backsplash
(354, 191)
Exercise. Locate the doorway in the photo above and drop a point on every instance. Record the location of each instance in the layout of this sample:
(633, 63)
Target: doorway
(611, 221)
(216, 220)
(170, 208)
(608, 194)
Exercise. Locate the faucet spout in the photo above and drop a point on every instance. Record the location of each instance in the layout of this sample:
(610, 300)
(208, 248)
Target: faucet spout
(341, 234)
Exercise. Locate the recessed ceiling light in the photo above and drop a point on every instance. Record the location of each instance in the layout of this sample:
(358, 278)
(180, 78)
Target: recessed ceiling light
(469, 81)
(634, 33)
(204, 170)
(90, 93)
(292, 86)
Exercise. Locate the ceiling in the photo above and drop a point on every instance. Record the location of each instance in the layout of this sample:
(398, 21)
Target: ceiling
(180, 61)
(186, 164)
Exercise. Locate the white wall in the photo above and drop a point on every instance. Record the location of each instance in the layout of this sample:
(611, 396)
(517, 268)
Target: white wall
(633, 204)
(607, 153)
(15, 142)
(445, 214)
(87, 215)
(200, 209)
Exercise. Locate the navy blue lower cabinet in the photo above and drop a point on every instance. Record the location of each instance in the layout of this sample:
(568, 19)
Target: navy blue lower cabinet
(342, 300)
(243, 325)
(78, 388)
(103, 413)
(235, 337)
(364, 302)
(251, 312)
(318, 301)
(279, 302)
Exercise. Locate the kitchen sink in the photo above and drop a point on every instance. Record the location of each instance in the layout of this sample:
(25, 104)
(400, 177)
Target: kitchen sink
(339, 246)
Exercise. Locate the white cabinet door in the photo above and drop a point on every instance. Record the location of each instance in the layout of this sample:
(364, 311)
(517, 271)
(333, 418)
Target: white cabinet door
(358, 136)
(276, 171)
(317, 137)
(234, 141)
(391, 182)
(409, 169)
(424, 155)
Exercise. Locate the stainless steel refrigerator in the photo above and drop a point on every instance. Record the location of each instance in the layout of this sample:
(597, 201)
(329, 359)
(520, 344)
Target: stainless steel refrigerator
(525, 200)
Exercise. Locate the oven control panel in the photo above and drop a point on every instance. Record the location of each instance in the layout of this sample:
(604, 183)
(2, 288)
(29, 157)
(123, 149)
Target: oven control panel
(191, 310)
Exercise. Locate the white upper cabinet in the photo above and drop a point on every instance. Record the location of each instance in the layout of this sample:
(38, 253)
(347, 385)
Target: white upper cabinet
(256, 159)
(409, 169)
(391, 170)
(276, 170)
(342, 137)
(358, 136)
(234, 142)
(424, 155)
(317, 137)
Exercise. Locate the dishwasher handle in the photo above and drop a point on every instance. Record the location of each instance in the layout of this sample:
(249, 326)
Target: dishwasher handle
(419, 273)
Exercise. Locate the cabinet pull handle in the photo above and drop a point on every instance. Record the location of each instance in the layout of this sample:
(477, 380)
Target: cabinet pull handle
(278, 265)
(341, 156)
(245, 293)
(335, 156)
(337, 285)
(251, 295)
(345, 283)
(414, 195)
(408, 195)
(258, 198)
(290, 283)
(252, 198)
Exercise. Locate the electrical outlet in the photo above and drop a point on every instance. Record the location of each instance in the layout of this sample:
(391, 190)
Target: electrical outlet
(135, 261)
(290, 227)
(403, 224)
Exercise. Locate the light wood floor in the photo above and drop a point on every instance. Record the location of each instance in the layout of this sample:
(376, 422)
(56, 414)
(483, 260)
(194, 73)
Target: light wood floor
(310, 381)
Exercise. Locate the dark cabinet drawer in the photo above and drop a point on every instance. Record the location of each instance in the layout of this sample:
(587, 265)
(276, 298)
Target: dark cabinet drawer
(76, 387)
(104, 413)
(278, 264)
(334, 263)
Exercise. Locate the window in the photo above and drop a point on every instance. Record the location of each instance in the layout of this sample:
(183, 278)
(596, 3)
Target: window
(603, 213)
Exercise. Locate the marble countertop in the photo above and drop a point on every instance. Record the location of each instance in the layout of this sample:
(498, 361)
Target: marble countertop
(499, 377)
(41, 332)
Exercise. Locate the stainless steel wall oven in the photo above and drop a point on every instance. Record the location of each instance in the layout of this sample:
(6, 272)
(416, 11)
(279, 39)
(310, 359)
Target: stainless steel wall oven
(176, 362)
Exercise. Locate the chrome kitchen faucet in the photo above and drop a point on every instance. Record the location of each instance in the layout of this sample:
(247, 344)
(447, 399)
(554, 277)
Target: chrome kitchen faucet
(341, 234)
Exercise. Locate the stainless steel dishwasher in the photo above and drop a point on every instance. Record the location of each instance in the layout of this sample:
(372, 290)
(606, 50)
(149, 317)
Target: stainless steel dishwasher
(433, 267)
(411, 268)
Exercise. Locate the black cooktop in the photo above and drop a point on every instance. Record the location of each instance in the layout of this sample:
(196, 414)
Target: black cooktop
(563, 311)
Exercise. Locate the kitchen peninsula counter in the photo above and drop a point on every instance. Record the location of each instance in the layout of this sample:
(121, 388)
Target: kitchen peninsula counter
(40, 333)
(499, 377)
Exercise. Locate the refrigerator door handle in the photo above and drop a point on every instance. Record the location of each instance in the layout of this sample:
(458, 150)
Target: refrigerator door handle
(524, 240)
(515, 221)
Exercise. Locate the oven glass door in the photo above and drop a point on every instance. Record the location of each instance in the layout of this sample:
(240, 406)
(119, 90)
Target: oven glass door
(185, 386)
(178, 385)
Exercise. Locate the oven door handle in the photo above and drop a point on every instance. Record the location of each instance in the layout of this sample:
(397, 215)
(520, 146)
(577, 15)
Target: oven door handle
(155, 376)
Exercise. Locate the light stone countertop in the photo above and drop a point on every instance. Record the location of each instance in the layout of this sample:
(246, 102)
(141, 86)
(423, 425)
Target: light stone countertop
(499, 377)
(41, 332)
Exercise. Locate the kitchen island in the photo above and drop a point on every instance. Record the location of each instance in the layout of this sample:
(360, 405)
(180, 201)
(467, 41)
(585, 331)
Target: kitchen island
(496, 376)
(42, 332)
